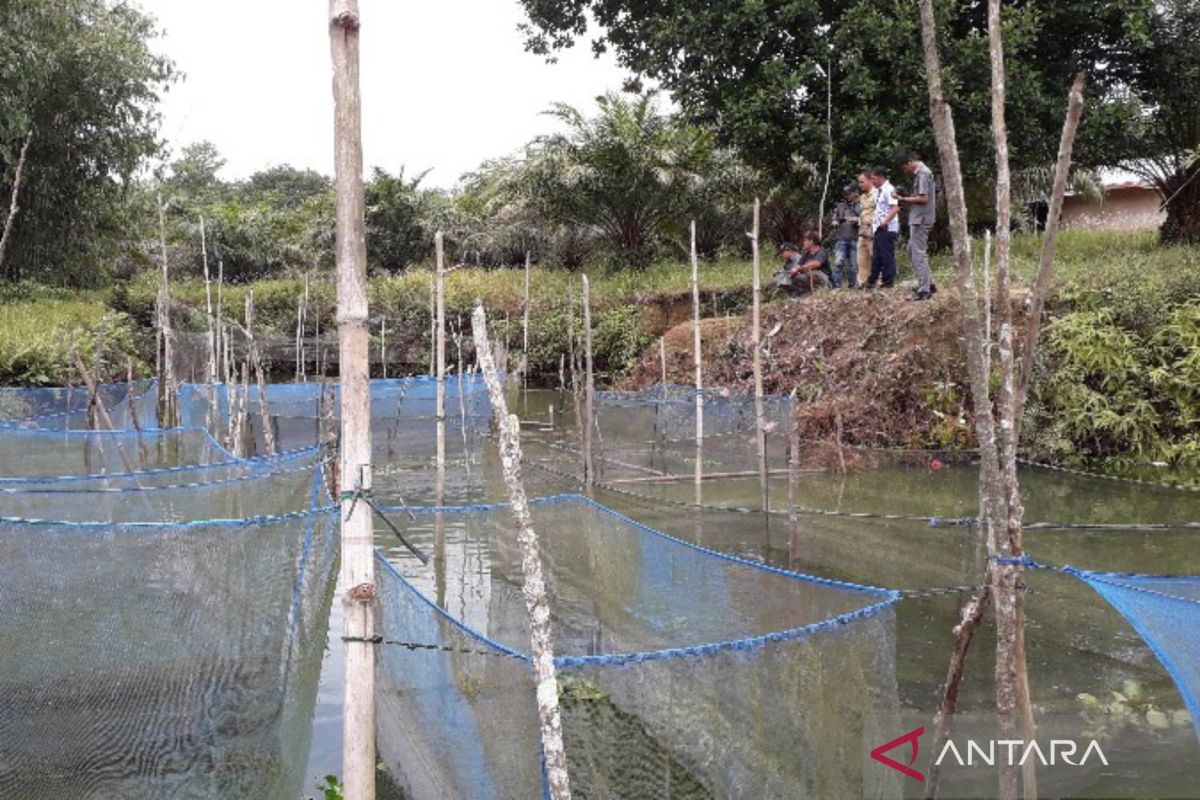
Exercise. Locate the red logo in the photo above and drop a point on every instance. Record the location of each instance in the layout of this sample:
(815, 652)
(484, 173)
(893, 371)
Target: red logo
(913, 740)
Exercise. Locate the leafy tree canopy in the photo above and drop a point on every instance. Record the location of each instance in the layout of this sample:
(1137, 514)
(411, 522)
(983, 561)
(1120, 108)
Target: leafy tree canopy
(759, 72)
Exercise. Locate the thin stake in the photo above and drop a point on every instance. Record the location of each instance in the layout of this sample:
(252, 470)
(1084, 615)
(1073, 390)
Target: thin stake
(662, 360)
(440, 346)
(793, 482)
(760, 423)
(537, 602)
(383, 347)
(525, 332)
(696, 361)
(213, 410)
(589, 401)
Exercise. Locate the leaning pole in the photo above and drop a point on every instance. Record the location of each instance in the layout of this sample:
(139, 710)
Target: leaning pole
(358, 579)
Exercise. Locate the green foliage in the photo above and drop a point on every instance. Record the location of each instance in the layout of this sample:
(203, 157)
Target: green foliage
(330, 788)
(620, 339)
(398, 233)
(38, 338)
(1120, 395)
(81, 75)
(758, 73)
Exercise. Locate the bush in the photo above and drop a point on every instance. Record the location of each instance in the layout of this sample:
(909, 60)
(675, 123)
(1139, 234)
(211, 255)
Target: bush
(38, 340)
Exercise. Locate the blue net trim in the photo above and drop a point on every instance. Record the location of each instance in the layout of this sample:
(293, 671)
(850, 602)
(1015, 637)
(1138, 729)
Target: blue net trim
(65, 490)
(322, 505)
(887, 597)
(257, 462)
(126, 433)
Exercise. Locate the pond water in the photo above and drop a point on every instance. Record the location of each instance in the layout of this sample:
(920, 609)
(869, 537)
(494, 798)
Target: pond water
(1077, 643)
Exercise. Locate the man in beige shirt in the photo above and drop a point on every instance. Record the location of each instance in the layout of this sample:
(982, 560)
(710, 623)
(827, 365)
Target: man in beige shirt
(866, 224)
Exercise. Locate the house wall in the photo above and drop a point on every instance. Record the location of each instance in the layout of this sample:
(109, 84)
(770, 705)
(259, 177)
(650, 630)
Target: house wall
(1124, 208)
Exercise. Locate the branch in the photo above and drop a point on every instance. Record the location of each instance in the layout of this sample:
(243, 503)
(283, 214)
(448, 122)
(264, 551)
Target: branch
(13, 207)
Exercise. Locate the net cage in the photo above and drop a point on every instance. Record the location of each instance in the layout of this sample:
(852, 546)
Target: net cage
(37, 452)
(683, 672)
(129, 405)
(162, 659)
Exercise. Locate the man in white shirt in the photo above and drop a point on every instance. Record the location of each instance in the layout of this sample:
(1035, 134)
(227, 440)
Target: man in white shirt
(887, 227)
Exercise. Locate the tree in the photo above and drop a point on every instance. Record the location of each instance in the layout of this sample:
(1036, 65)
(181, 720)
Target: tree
(755, 72)
(80, 73)
(285, 186)
(1166, 87)
(396, 233)
(194, 174)
(631, 173)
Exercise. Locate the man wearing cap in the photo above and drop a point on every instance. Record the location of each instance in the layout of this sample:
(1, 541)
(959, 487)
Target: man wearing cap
(804, 270)
(921, 216)
(845, 249)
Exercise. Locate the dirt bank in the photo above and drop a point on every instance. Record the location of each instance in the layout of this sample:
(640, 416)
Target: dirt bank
(893, 369)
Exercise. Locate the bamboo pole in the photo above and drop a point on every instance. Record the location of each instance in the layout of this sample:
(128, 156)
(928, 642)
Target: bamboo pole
(213, 403)
(662, 361)
(440, 348)
(383, 347)
(358, 561)
(793, 482)
(299, 340)
(433, 324)
(220, 300)
(589, 399)
(760, 423)
(168, 405)
(696, 360)
(525, 331)
(264, 413)
(828, 145)
(536, 601)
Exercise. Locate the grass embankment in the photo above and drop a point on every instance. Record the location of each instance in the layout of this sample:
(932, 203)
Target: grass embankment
(1117, 379)
(1116, 383)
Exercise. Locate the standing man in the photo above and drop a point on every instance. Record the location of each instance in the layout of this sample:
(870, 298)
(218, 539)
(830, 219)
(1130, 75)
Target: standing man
(845, 252)
(886, 225)
(920, 222)
(866, 223)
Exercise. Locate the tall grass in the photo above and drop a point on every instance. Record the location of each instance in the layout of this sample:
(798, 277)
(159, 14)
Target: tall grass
(39, 337)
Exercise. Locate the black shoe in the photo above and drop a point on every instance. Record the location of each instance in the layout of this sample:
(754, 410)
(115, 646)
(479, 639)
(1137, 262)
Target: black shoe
(932, 289)
(921, 295)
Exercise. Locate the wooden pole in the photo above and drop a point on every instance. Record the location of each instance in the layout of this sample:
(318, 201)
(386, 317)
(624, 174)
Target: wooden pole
(793, 482)
(220, 299)
(696, 360)
(987, 300)
(525, 331)
(383, 347)
(440, 348)
(536, 601)
(433, 324)
(760, 423)
(168, 406)
(358, 559)
(213, 404)
(662, 361)
(299, 339)
(264, 413)
(589, 399)
(13, 205)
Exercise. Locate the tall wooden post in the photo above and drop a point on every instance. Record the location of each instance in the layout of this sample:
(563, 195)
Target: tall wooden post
(760, 429)
(168, 399)
(696, 362)
(383, 347)
(589, 391)
(358, 564)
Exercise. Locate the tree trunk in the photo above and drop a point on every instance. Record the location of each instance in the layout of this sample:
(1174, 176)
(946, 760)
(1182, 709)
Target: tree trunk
(13, 206)
(1182, 225)
(536, 601)
(358, 559)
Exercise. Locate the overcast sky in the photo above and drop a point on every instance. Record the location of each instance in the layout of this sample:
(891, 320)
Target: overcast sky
(445, 84)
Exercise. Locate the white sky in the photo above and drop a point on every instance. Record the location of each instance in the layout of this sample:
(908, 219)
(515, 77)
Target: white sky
(445, 84)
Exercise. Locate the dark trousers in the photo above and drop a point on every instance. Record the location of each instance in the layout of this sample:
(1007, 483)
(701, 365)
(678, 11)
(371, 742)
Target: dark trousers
(883, 259)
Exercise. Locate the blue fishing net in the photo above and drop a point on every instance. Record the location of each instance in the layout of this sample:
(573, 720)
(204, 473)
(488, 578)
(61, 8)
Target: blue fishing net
(1165, 611)
(29, 452)
(161, 660)
(683, 672)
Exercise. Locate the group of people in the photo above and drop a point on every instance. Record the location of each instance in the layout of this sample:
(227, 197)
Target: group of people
(866, 223)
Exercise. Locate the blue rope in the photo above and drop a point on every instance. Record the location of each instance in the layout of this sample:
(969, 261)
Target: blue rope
(889, 596)
(288, 455)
